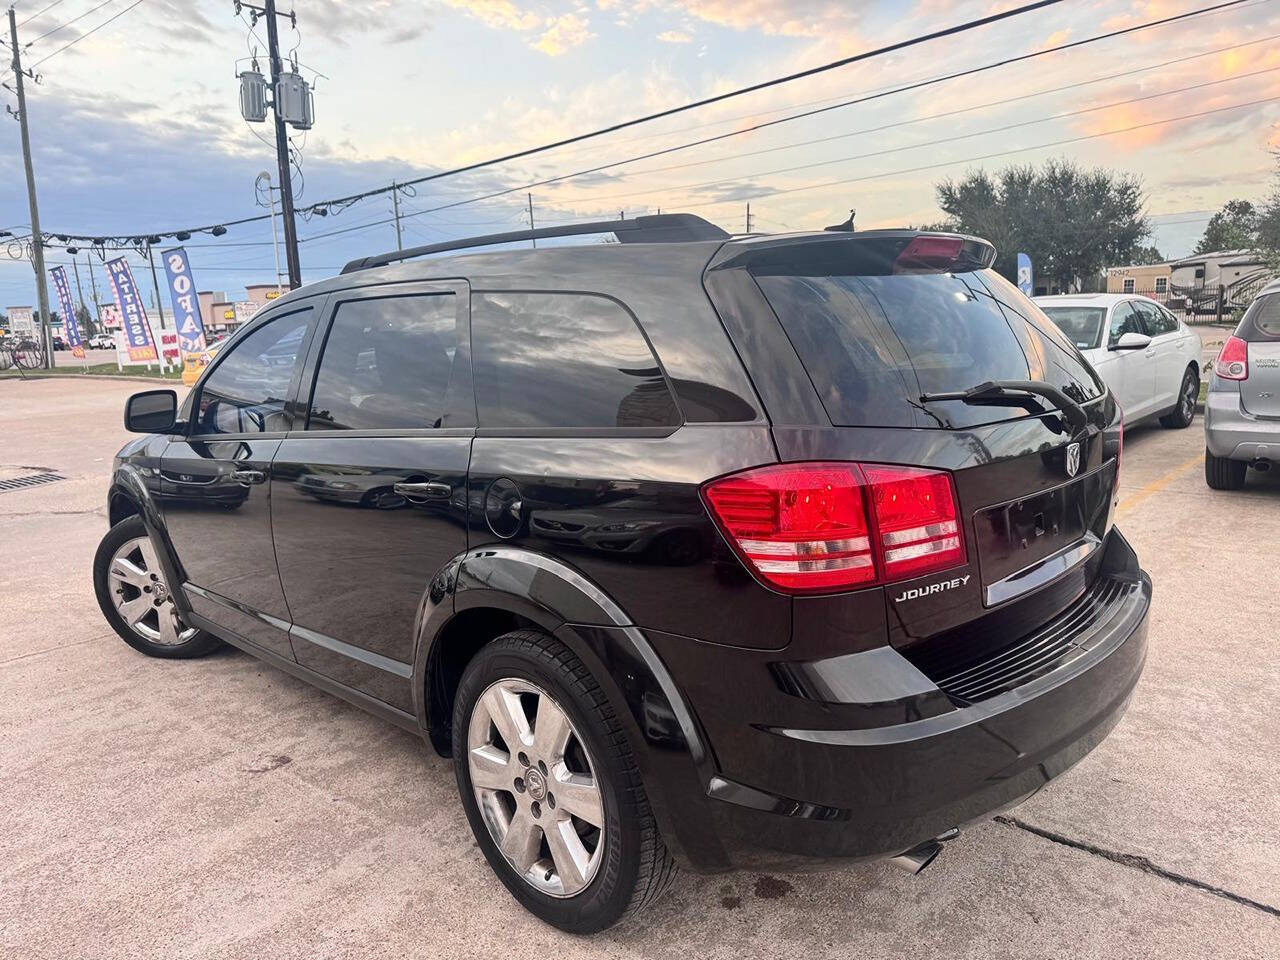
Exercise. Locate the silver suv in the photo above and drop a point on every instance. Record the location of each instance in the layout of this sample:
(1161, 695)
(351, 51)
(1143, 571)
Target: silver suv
(1242, 414)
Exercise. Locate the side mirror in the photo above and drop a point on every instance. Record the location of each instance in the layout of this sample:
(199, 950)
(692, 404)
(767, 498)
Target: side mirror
(1130, 341)
(152, 411)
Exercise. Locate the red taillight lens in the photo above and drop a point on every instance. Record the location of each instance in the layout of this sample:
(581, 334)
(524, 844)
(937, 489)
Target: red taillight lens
(825, 527)
(1233, 360)
(802, 528)
(917, 520)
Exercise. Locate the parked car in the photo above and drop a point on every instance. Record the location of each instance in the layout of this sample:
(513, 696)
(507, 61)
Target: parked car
(1242, 412)
(60, 342)
(102, 341)
(897, 601)
(193, 364)
(1148, 357)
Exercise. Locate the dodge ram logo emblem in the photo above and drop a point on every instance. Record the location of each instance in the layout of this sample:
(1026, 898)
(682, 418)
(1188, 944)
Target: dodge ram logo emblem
(1073, 459)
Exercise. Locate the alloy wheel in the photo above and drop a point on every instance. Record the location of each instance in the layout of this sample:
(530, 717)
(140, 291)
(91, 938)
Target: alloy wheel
(1190, 387)
(536, 787)
(141, 596)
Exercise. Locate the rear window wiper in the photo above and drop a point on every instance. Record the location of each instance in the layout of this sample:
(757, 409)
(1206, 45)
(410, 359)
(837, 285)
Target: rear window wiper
(1017, 393)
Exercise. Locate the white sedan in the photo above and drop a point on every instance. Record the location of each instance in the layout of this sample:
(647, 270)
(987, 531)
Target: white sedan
(1148, 357)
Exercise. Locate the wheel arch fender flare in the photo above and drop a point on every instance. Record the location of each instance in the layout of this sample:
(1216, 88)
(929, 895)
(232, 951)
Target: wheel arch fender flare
(669, 746)
(129, 483)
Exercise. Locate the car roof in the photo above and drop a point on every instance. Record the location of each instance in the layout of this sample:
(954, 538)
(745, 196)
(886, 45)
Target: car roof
(1090, 299)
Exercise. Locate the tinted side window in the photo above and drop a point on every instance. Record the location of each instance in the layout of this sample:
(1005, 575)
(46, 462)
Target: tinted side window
(246, 391)
(1157, 322)
(1124, 319)
(564, 360)
(387, 364)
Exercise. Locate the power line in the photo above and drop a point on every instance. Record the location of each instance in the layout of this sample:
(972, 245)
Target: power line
(347, 200)
(87, 33)
(859, 100)
(38, 13)
(939, 141)
(987, 156)
(64, 26)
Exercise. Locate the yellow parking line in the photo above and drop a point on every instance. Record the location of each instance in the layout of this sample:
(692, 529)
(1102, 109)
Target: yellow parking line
(1158, 484)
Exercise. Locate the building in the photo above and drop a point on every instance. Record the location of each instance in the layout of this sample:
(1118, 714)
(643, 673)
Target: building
(222, 315)
(1148, 279)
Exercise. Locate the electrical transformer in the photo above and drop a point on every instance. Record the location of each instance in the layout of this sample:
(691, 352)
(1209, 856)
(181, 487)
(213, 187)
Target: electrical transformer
(253, 96)
(294, 102)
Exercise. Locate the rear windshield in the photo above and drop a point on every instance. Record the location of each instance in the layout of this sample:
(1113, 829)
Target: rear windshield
(1082, 325)
(874, 341)
(1262, 320)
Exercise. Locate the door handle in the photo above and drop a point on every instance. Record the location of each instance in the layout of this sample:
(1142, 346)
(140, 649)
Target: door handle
(423, 491)
(1150, 353)
(248, 477)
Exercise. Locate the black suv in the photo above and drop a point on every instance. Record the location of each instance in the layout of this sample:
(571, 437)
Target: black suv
(724, 552)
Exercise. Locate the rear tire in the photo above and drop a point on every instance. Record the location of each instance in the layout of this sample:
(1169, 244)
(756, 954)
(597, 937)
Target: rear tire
(135, 599)
(1180, 417)
(618, 867)
(1223, 474)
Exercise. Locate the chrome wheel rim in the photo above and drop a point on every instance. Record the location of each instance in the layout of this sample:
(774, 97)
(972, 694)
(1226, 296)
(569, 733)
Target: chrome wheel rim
(1189, 392)
(141, 596)
(536, 787)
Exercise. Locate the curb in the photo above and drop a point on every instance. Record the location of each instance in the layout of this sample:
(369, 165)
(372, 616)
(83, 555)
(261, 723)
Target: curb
(36, 375)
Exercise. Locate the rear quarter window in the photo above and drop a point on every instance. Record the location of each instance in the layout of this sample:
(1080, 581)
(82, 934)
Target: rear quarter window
(1262, 320)
(564, 360)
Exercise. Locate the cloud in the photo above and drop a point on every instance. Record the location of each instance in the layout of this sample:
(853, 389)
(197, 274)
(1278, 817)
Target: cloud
(499, 14)
(675, 36)
(563, 33)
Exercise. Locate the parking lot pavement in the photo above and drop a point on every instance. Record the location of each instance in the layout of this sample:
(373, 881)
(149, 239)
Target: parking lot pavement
(220, 808)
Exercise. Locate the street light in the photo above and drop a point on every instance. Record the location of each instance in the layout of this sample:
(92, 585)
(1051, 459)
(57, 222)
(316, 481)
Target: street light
(271, 202)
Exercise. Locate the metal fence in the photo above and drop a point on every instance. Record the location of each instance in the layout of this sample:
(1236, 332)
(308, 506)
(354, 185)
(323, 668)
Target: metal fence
(1201, 303)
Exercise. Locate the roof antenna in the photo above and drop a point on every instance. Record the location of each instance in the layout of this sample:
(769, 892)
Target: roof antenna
(846, 227)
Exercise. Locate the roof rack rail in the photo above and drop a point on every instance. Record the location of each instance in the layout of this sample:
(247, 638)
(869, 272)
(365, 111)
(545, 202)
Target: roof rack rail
(656, 228)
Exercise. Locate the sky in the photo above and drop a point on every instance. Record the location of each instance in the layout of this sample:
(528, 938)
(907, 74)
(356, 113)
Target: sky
(136, 126)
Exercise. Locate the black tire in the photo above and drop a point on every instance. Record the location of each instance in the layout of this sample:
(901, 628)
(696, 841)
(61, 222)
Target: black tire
(131, 528)
(1223, 474)
(635, 867)
(1180, 417)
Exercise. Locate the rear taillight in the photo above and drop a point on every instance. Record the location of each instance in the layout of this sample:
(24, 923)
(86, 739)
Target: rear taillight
(1233, 360)
(826, 527)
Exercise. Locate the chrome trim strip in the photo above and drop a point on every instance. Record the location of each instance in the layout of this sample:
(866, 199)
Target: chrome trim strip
(1040, 572)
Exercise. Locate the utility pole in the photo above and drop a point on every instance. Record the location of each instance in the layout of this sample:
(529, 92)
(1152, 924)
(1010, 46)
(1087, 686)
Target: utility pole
(37, 238)
(748, 216)
(93, 285)
(75, 266)
(282, 152)
(395, 202)
(533, 240)
(155, 282)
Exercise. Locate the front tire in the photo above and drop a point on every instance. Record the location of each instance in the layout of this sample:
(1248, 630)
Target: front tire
(1223, 474)
(136, 600)
(1180, 417)
(551, 788)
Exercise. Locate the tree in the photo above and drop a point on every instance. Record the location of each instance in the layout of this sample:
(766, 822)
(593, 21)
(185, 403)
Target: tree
(1072, 222)
(1146, 255)
(1234, 227)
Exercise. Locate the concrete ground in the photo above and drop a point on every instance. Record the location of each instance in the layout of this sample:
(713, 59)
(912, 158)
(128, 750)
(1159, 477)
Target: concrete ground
(219, 808)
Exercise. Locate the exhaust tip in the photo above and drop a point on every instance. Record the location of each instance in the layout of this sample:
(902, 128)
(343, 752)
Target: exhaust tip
(1261, 466)
(917, 858)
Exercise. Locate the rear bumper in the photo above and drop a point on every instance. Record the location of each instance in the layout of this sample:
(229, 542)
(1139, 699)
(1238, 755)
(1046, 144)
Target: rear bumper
(878, 790)
(1232, 434)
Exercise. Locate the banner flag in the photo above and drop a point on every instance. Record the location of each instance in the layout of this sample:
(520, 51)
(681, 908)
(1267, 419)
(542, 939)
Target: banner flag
(186, 305)
(137, 330)
(1026, 282)
(69, 325)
